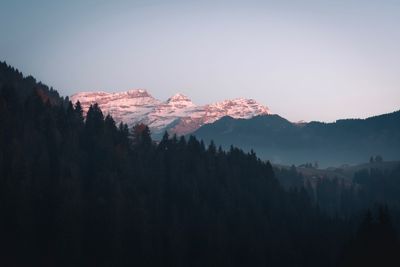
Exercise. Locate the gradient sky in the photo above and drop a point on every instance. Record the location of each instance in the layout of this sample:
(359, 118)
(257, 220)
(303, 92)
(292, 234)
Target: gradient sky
(305, 60)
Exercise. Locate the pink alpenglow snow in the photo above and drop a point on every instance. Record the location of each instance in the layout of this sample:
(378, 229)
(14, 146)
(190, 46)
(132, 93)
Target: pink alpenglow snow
(178, 114)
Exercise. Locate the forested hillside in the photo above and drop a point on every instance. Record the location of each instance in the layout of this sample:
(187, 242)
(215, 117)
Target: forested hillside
(77, 192)
(349, 141)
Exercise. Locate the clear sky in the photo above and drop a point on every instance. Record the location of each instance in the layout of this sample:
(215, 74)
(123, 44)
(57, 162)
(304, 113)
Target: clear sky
(305, 60)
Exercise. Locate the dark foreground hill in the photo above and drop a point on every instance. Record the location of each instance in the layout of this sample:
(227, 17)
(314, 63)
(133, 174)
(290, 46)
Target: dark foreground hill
(272, 137)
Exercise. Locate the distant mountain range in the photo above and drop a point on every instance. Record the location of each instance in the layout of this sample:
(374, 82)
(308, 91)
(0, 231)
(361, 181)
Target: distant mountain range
(249, 125)
(178, 114)
(331, 144)
(240, 122)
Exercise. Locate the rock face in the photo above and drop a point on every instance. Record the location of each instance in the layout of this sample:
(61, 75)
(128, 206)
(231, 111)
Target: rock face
(178, 114)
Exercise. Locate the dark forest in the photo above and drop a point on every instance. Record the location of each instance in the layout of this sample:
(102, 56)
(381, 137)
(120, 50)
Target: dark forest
(78, 191)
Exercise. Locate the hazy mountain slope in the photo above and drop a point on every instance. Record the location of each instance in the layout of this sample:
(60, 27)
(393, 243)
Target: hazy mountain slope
(345, 141)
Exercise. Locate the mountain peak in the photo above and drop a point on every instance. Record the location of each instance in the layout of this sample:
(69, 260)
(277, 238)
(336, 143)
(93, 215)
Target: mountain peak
(241, 108)
(178, 98)
(180, 101)
(177, 114)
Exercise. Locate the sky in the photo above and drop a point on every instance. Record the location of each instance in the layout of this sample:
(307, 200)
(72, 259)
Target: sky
(305, 60)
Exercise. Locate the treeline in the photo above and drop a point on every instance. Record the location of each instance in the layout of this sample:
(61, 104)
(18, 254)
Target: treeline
(86, 192)
(348, 198)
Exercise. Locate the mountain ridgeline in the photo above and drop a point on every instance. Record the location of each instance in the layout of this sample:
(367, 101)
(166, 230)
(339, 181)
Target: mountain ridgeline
(251, 126)
(88, 192)
(178, 114)
(347, 141)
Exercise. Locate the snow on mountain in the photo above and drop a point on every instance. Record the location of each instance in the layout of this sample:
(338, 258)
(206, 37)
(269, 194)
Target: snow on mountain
(178, 114)
(129, 106)
(236, 108)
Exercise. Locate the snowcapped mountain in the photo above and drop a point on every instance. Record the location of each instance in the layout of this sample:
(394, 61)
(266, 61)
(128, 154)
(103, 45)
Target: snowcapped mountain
(178, 114)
